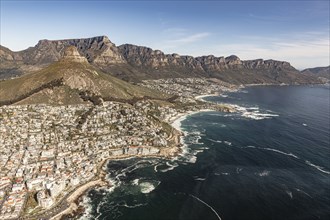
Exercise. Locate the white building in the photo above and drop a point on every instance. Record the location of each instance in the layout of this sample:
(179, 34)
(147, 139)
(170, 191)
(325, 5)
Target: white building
(75, 181)
(57, 188)
(36, 184)
(44, 199)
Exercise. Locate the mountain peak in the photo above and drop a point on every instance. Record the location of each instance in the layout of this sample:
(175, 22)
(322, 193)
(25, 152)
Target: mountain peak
(105, 39)
(71, 54)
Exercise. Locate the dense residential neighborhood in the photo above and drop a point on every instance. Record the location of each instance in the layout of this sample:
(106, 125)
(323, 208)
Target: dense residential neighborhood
(188, 88)
(49, 151)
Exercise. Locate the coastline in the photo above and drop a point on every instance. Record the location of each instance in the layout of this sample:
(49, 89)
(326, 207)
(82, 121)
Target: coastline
(200, 97)
(167, 152)
(73, 207)
(73, 198)
(175, 122)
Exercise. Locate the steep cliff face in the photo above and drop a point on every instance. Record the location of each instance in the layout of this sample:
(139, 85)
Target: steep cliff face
(71, 54)
(231, 69)
(133, 62)
(97, 50)
(146, 57)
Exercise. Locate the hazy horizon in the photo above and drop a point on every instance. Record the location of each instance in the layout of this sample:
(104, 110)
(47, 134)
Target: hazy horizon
(293, 31)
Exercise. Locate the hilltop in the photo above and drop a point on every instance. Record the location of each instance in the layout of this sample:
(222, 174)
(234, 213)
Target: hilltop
(135, 63)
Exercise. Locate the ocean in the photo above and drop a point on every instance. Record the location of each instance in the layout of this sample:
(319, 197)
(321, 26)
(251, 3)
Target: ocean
(271, 160)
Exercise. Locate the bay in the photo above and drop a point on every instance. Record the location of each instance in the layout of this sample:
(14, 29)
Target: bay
(270, 161)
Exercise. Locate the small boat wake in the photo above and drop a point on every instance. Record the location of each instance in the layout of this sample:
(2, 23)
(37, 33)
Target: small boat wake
(213, 210)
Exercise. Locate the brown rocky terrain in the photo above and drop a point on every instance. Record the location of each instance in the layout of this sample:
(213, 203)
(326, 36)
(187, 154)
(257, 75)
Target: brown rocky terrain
(323, 72)
(133, 63)
(70, 80)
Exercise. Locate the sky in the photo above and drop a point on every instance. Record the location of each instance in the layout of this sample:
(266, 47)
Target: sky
(294, 31)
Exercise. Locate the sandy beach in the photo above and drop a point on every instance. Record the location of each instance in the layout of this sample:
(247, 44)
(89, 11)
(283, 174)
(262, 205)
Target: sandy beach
(175, 122)
(200, 97)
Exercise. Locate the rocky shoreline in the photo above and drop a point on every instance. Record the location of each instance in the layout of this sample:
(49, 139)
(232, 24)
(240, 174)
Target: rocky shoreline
(75, 209)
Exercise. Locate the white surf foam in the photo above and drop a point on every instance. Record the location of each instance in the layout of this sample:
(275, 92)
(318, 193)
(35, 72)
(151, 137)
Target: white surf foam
(156, 167)
(112, 188)
(135, 182)
(187, 154)
(170, 167)
(289, 193)
(258, 116)
(134, 206)
(196, 151)
(199, 179)
(147, 187)
(215, 141)
(87, 204)
(177, 123)
(192, 159)
(227, 143)
(253, 112)
(193, 138)
(253, 108)
(264, 173)
(100, 205)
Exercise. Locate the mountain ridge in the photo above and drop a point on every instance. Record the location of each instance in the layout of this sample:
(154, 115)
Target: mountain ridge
(134, 63)
(70, 80)
(323, 72)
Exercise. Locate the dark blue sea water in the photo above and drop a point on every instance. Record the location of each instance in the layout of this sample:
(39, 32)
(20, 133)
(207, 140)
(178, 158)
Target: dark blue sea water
(270, 161)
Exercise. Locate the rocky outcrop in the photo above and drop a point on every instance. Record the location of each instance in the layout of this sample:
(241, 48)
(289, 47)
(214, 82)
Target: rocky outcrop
(98, 50)
(231, 69)
(131, 62)
(71, 54)
(146, 57)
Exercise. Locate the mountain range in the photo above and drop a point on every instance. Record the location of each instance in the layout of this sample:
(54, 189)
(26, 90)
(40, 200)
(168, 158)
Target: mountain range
(134, 63)
(71, 80)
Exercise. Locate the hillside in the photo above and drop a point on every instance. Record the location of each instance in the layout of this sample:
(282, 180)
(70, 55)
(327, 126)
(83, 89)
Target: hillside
(133, 63)
(64, 81)
(318, 71)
